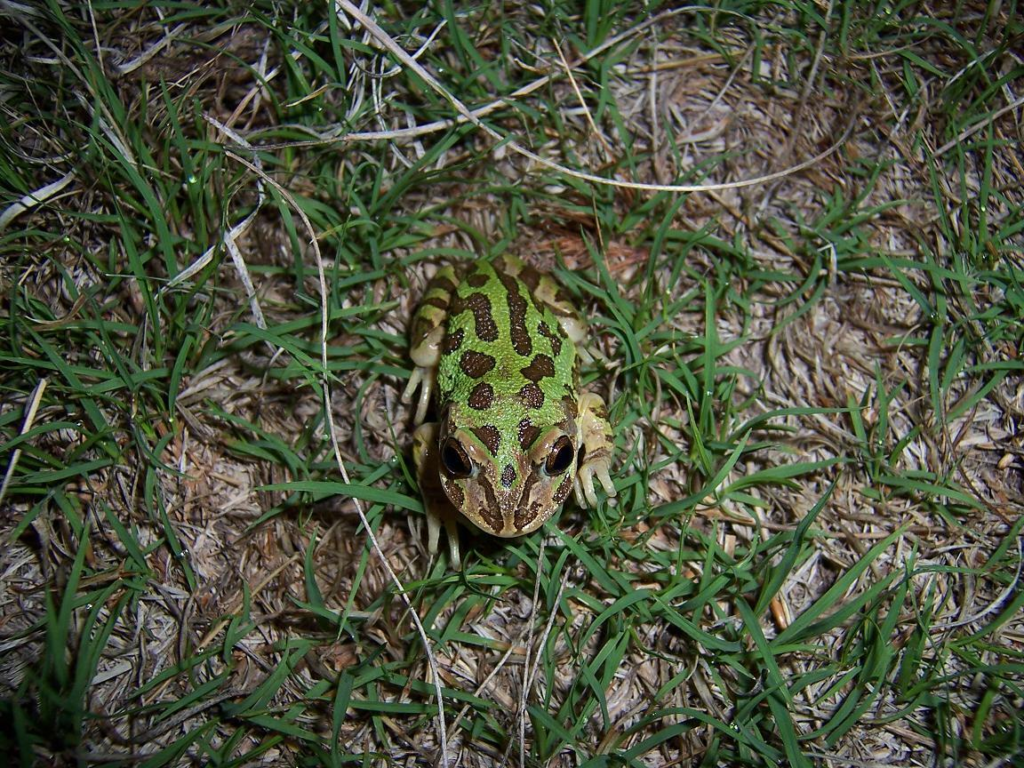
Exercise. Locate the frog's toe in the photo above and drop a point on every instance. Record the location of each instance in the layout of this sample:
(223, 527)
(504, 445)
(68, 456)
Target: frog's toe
(606, 482)
(415, 380)
(603, 474)
(589, 494)
(435, 520)
(586, 495)
(420, 377)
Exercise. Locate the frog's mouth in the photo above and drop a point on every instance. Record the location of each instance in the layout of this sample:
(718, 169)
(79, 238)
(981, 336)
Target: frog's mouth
(507, 529)
(505, 514)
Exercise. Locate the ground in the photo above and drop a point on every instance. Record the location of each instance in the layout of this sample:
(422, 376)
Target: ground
(796, 231)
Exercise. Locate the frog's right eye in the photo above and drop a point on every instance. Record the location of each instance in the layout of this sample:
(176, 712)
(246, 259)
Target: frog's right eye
(560, 458)
(455, 459)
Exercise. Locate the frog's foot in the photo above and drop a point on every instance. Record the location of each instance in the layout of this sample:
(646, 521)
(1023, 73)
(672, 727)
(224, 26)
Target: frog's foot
(597, 443)
(425, 352)
(436, 517)
(421, 376)
(439, 509)
(599, 467)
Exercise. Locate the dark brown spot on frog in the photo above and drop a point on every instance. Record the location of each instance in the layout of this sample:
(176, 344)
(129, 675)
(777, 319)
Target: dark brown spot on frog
(442, 284)
(530, 277)
(453, 341)
(521, 341)
(481, 397)
(540, 367)
(455, 494)
(435, 301)
(539, 305)
(528, 433)
(526, 516)
(527, 513)
(480, 306)
(476, 364)
(508, 476)
(489, 510)
(563, 489)
(531, 396)
(569, 403)
(489, 436)
(556, 341)
(477, 279)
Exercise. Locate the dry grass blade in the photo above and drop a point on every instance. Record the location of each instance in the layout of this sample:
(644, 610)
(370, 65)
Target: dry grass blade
(32, 199)
(30, 416)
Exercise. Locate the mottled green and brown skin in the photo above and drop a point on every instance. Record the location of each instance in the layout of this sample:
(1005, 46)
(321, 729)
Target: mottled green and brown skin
(514, 436)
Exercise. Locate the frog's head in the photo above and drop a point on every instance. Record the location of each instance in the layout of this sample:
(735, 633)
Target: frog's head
(508, 482)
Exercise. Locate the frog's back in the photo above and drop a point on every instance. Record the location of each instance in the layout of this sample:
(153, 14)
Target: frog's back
(504, 352)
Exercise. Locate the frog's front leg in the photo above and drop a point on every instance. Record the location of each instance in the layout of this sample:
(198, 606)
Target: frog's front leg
(597, 442)
(426, 338)
(439, 509)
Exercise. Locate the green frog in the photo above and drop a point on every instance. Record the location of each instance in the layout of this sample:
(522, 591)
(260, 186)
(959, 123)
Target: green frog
(499, 345)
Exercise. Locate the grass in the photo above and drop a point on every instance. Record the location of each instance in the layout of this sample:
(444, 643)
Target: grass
(814, 382)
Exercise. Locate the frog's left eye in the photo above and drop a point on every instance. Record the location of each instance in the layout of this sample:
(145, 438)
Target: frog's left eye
(455, 459)
(561, 456)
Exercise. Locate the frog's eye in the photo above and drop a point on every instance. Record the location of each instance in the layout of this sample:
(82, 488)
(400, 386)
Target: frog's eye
(561, 456)
(455, 459)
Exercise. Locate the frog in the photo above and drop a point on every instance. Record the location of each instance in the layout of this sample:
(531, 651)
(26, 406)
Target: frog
(497, 347)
